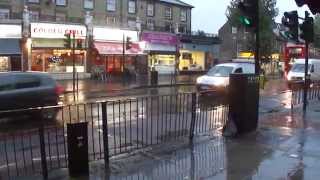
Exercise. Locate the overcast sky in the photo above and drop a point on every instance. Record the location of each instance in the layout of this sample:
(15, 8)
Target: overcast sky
(209, 15)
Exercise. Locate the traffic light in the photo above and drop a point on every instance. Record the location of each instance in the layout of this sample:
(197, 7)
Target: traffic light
(307, 29)
(67, 41)
(128, 43)
(313, 5)
(248, 12)
(290, 20)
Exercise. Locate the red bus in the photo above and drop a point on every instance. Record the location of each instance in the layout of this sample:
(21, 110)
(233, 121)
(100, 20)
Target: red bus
(292, 51)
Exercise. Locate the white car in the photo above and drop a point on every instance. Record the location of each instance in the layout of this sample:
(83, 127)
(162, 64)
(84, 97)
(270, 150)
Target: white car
(297, 71)
(217, 77)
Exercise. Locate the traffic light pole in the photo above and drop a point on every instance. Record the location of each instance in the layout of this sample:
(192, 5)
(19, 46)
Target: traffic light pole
(123, 57)
(306, 79)
(73, 66)
(257, 46)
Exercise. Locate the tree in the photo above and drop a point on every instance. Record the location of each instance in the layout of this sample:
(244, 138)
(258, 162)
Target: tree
(267, 14)
(317, 31)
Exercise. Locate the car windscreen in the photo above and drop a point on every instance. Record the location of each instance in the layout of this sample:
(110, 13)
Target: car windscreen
(221, 71)
(299, 68)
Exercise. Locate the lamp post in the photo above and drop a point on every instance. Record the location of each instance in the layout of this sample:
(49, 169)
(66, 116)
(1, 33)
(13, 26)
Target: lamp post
(25, 65)
(88, 18)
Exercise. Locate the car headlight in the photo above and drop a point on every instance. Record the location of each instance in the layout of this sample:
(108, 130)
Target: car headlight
(289, 77)
(199, 80)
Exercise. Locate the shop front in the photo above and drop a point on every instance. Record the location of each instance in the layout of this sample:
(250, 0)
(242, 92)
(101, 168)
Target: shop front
(111, 54)
(48, 52)
(196, 57)
(10, 51)
(162, 50)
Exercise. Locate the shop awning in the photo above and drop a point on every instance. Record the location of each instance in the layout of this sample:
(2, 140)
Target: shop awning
(10, 47)
(115, 48)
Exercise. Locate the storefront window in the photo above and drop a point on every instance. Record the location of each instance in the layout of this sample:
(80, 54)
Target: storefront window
(192, 60)
(57, 60)
(4, 63)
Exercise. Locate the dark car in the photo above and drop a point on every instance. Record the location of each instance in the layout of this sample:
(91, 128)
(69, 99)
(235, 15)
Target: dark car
(23, 90)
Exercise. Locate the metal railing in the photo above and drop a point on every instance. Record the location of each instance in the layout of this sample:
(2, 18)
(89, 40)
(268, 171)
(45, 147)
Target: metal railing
(297, 89)
(114, 127)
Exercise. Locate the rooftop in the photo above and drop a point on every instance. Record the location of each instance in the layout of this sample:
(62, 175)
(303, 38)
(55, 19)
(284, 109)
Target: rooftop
(177, 2)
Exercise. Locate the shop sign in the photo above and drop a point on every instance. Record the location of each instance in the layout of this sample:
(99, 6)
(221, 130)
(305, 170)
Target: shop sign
(159, 38)
(108, 48)
(10, 31)
(55, 59)
(109, 34)
(56, 31)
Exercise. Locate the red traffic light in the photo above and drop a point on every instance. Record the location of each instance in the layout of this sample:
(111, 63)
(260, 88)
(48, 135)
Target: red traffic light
(128, 43)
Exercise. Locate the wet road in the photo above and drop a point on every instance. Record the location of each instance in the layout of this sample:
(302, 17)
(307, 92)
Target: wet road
(132, 123)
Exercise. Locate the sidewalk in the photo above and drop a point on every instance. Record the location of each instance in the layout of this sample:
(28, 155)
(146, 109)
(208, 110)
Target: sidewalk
(117, 83)
(283, 148)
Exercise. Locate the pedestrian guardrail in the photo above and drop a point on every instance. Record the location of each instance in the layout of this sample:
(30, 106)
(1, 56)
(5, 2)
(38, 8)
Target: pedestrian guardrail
(33, 145)
(297, 90)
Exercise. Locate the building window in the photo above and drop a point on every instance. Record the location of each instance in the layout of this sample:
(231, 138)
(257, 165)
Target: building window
(150, 10)
(33, 1)
(111, 5)
(168, 13)
(168, 27)
(150, 24)
(4, 14)
(34, 15)
(61, 17)
(131, 23)
(88, 4)
(131, 6)
(183, 15)
(111, 20)
(182, 29)
(61, 2)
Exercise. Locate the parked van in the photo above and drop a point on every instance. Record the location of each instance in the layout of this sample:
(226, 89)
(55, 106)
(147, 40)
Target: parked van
(297, 71)
(217, 77)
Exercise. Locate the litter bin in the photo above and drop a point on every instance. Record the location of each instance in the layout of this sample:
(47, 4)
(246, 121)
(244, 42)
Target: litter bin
(244, 101)
(78, 159)
(154, 77)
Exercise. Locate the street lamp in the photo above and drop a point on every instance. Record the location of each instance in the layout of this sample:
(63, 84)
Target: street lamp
(26, 21)
(25, 65)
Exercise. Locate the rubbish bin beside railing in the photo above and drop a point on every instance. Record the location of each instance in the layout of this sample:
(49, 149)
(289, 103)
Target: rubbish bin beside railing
(244, 101)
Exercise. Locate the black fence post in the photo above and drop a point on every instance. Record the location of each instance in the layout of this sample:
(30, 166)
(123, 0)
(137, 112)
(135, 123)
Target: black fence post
(105, 135)
(43, 150)
(193, 115)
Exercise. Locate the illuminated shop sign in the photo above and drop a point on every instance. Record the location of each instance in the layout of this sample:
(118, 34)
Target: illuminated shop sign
(10, 31)
(57, 31)
(109, 34)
